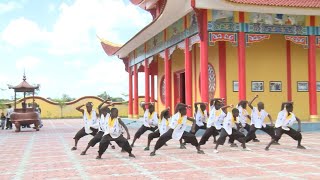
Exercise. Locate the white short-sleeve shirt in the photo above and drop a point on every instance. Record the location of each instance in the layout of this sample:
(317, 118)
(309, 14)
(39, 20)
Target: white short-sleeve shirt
(150, 120)
(243, 114)
(216, 118)
(201, 117)
(284, 120)
(229, 123)
(163, 125)
(178, 124)
(258, 117)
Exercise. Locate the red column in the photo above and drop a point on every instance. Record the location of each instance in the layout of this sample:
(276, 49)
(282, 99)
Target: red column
(167, 71)
(222, 69)
(312, 74)
(146, 73)
(136, 98)
(242, 59)
(289, 85)
(152, 87)
(188, 76)
(130, 94)
(204, 59)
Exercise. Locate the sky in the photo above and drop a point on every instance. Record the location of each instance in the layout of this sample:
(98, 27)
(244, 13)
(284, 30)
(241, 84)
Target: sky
(56, 43)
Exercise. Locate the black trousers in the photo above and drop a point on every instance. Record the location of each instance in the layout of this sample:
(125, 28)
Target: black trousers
(196, 129)
(236, 135)
(121, 141)
(186, 136)
(252, 133)
(246, 127)
(143, 129)
(292, 133)
(81, 133)
(212, 131)
(153, 135)
(9, 123)
(96, 139)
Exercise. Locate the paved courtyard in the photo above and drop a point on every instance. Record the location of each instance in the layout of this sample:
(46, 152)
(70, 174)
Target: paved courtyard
(46, 155)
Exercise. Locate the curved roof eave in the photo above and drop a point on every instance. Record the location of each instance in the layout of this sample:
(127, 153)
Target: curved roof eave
(229, 6)
(172, 12)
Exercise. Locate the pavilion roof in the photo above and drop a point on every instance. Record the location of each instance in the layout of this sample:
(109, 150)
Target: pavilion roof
(287, 3)
(24, 86)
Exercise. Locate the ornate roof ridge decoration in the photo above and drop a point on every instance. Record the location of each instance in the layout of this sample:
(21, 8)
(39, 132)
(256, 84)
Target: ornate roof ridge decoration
(109, 47)
(24, 86)
(283, 3)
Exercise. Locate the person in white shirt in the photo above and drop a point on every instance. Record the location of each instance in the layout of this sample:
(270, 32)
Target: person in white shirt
(229, 129)
(150, 121)
(243, 116)
(215, 121)
(104, 116)
(114, 133)
(8, 114)
(90, 123)
(163, 127)
(283, 125)
(177, 129)
(258, 116)
(201, 116)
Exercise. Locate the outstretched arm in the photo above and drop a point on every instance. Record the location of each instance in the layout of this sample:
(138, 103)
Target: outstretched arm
(100, 105)
(79, 108)
(125, 128)
(224, 108)
(250, 103)
(215, 99)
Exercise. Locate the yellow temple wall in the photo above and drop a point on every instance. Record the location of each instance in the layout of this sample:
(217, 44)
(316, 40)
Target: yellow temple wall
(51, 110)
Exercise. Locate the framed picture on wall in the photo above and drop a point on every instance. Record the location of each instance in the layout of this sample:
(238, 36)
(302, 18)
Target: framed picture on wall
(235, 86)
(318, 86)
(275, 86)
(257, 86)
(302, 86)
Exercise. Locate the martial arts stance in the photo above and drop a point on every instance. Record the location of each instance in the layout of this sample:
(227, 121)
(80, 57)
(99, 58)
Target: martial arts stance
(177, 131)
(114, 133)
(163, 127)
(216, 117)
(283, 125)
(104, 116)
(90, 123)
(150, 121)
(243, 115)
(201, 116)
(229, 129)
(258, 115)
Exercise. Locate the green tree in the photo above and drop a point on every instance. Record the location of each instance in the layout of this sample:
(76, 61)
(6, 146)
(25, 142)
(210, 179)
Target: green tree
(104, 95)
(62, 102)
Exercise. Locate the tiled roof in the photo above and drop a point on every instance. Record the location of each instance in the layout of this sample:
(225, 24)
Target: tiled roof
(287, 3)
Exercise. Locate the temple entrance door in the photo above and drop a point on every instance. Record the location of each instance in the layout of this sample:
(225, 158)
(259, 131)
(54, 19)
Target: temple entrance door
(179, 87)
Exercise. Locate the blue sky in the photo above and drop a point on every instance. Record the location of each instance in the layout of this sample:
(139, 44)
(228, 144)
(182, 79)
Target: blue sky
(56, 43)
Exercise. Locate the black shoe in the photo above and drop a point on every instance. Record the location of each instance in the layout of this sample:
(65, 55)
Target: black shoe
(256, 140)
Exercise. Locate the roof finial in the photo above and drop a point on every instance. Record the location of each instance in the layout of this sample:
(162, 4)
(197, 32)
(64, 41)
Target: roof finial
(24, 75)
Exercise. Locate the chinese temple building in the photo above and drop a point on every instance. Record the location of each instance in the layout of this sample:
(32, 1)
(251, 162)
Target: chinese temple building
(233, 49)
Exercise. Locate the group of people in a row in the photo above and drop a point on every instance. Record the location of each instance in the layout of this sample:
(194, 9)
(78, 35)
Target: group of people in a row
(218, 121)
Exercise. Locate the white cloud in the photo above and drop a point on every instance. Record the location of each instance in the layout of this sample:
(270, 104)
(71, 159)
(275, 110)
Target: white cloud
(77, 22)
(8, 6)
(28, 62)
(74, 63)
(22, 31)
